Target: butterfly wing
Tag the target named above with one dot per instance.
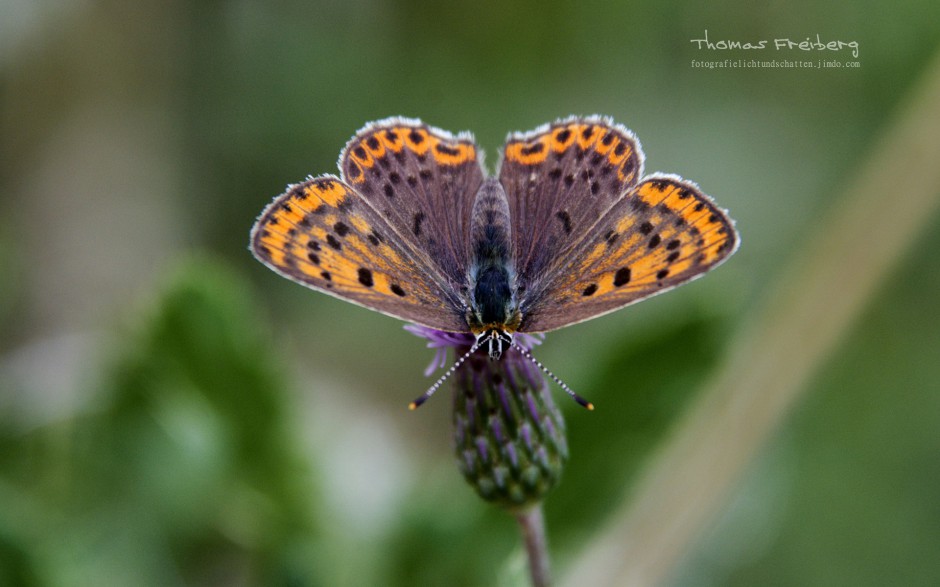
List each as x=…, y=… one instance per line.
x=662, y=233
x=423, y=181
x=559, y=180
x=591, y=239
x=391, y=234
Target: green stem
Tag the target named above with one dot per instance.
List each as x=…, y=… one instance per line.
x=532, y=524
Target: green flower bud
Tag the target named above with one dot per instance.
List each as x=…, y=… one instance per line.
x=509, y=436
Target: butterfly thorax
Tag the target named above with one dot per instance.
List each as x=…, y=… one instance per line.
x=493, y=311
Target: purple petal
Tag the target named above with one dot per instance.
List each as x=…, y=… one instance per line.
x=513, y=455
x=483, y=448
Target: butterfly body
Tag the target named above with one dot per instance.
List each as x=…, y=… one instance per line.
x=494, y=308
x=564, y=232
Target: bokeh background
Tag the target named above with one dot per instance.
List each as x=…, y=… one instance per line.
x=173, y=413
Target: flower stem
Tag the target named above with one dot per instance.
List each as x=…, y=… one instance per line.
x=532, y=524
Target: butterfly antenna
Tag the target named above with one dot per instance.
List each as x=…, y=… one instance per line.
x=561, y=384
x=427, y=394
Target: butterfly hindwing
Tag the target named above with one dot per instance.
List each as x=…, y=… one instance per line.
x=662, y=233
x=422, y=180
x=560, y=179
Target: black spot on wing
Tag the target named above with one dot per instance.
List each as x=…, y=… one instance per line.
x=416, y=226
x=365, y=277
x=565, y=219
x=532, y=149
x=622, y=277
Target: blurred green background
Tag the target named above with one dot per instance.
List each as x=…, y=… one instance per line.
x=173, y=413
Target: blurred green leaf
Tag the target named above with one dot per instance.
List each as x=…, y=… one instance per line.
x=187, y=468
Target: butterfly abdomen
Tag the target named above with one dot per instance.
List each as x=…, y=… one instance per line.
x=492, y=247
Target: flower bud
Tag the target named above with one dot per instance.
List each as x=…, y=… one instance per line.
x=509, y=436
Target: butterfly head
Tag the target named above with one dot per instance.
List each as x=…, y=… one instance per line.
x=495, y=341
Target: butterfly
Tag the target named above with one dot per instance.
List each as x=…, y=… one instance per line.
x=567, y=230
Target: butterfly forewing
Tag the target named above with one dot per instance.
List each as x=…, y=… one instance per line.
x=659, y=235
x=320, y=233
